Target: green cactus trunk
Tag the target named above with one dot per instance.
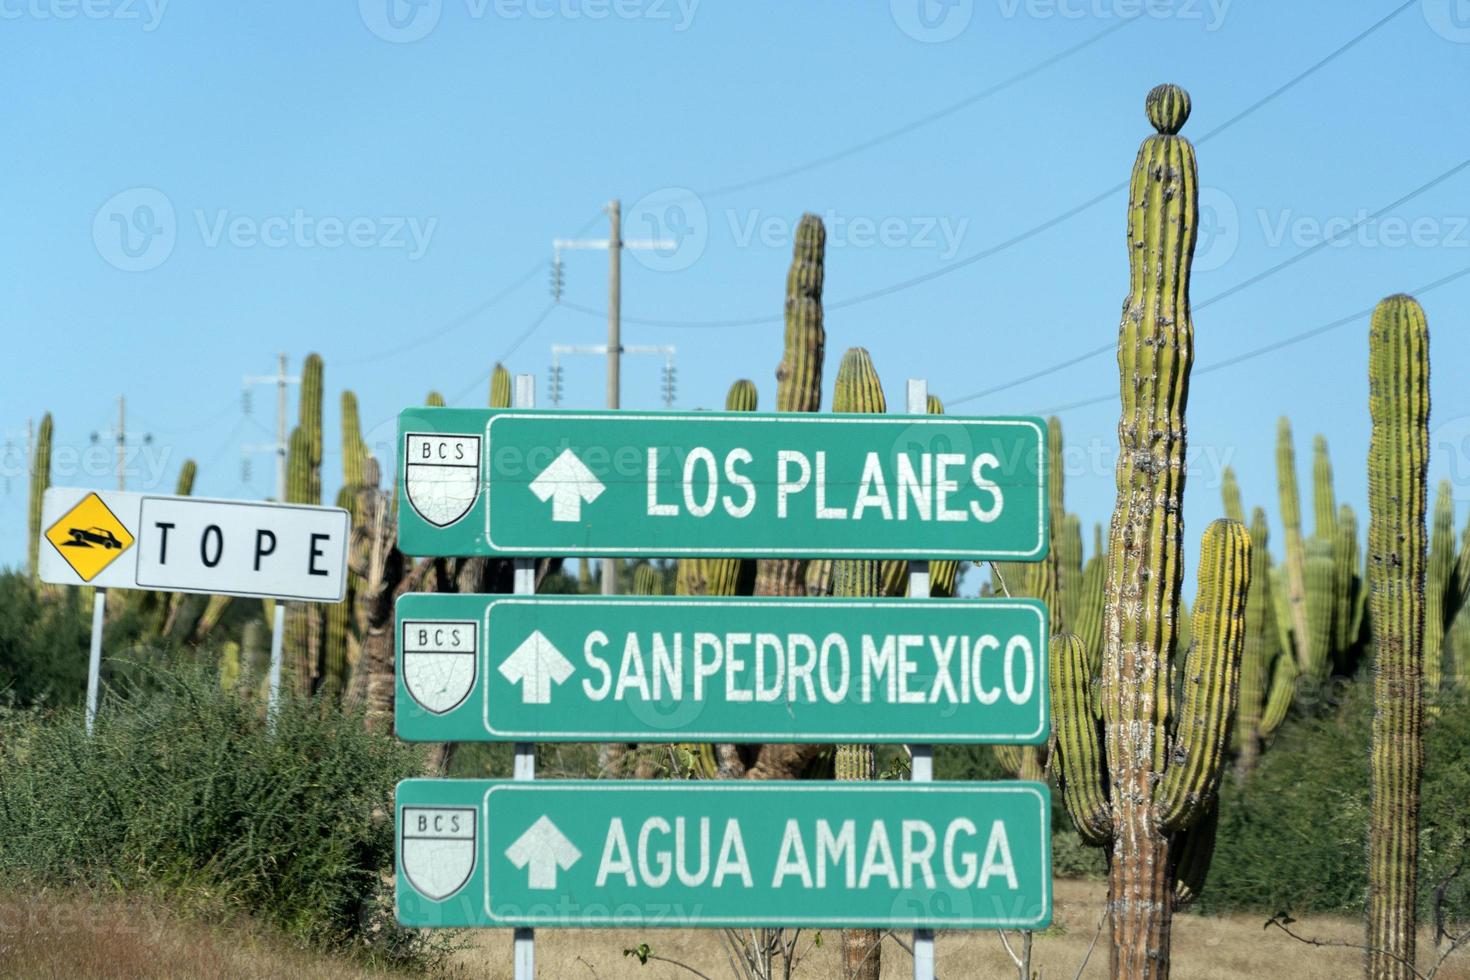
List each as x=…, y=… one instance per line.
x=858, y=390
x=799, y=375
x=354, y=450
x=1398, y=458
x=1348, y=586
x=1439, y=585
x=1155, y=354
x=1260, y=648
x=40, y=464
x=723, y=576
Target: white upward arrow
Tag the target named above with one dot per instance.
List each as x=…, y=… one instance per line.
x=536, y=665
x=567, y=483
x=545, y=849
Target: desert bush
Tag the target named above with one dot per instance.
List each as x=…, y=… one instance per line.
x=1293, y=837
x=185, y=793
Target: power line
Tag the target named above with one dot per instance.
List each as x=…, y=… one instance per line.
x=1271, y=347
x=1033, y=231
x=505, y=356
x=1238, y=287
x=923, y=120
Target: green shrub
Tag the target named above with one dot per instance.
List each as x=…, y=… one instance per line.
x=43, y=643
x=183, y=791
x=1294, y=836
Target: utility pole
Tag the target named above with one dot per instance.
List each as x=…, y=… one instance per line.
x=614, y=245
x=120, y=440
x=281, y=380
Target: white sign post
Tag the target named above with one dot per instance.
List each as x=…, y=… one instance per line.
x=921, y=757
x=525, y=752
x=111, y=539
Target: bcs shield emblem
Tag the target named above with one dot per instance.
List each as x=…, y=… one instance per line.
x=439, y=659
x=436, y=848
x=441, y=474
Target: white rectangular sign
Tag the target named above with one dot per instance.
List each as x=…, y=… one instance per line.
x=118, y=540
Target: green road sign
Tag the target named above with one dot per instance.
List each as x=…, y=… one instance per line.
x=653, y=669
x=487, y=481
x=655, y=854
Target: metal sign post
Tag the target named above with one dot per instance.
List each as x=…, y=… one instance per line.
x=278, y=630
x=921, y=765
x=524, y=767
x=94, y=657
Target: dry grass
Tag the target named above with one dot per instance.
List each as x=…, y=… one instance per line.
x=1213, y=948
x=66, y=935
x=52, y=936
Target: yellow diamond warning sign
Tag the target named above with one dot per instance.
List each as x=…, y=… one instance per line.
x=89, y=537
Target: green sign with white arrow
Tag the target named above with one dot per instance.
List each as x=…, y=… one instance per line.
x=657, y=669
x=505, y=482
x=666, y=854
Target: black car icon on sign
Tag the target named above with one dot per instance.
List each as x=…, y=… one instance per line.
x=85, y=537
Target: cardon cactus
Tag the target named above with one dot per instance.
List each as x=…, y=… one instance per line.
x=1320, y=582
x=1439, y=605
x=1348, y=583
x=647, y=580
x=1295, y=572
x=1155, y=355
x=722, y=576
x=1069, y=568
x=1230, y=495
x=858, y=390
x=338, y=652
x=1260, y=648
x=40, y=463
x=354, y=450
x=1324, y=497
x=301, y=643
x=942, y=574
x=1398, y=461
x=799, y=375
x=1180, y=808
x=500, y=387
x=434, y=399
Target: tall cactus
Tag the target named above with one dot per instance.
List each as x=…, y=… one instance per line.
x=1398, y=461
x=1295, y=571
x=40, y=464
x=500, y=387
x=309, y=418
x=647, y=580
x=1439, y=608
x=1155, y=355
x=1069, y=568
x=858, y=390
x=799, y=375
x=1324, y=498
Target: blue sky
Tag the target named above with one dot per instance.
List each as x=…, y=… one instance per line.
x=359, y=180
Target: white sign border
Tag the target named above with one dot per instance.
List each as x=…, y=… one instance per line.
x=662, y=551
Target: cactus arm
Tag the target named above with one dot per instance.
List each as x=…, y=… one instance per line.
x=1078, y=760
x=1440, y=604
x=1196, y=849
x=1259, y=649
x=1398, y=396
x=1211, y=678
